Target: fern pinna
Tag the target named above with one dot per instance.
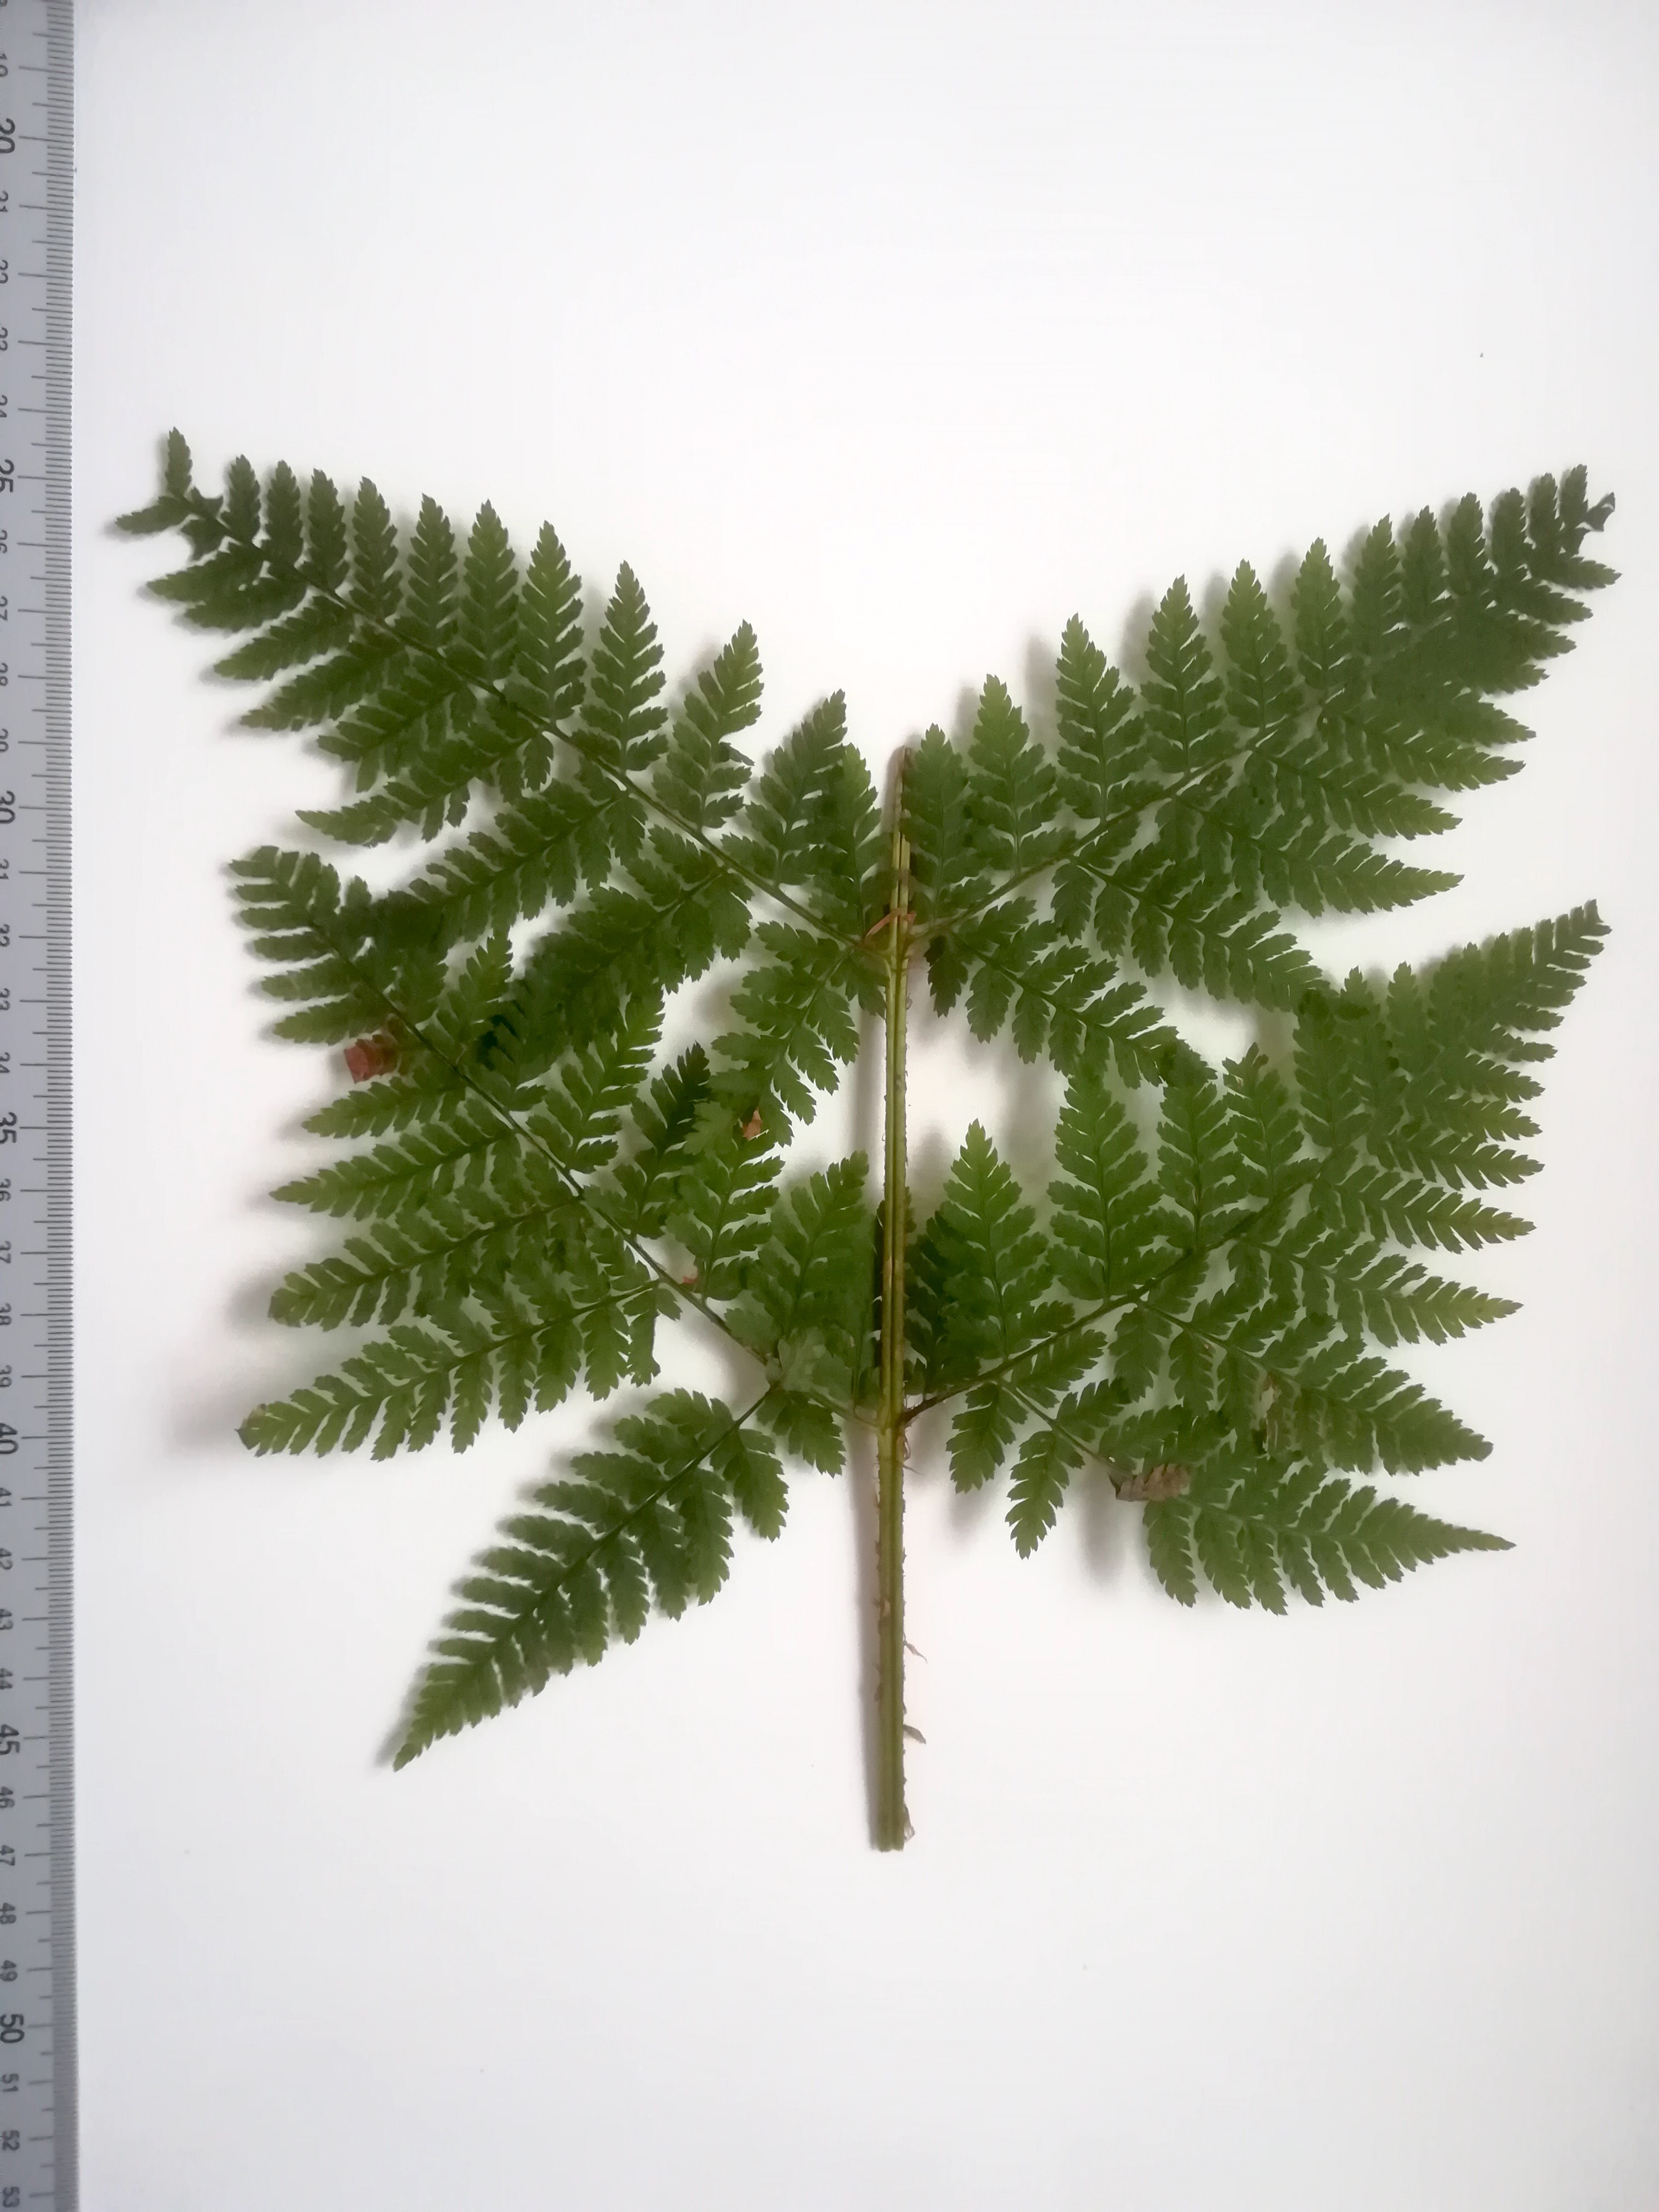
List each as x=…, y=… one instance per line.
x=1195, y=1300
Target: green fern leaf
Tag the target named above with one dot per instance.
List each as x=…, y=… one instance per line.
x=488, y=629
x=625, y=945
x=978, y=1269
x=1197, y=1167
x=1103, y=739
x=1263, y=695
x=317, y=627
x=548, y=672
x=391, y=1102
x=623, y=723
x=1211, y=939
x=1349, y=1409
x=1323, y=649
x=798, y=1028
x=1047, y=1460
x=431, y=607
x=812, y=1277
x=1396, y=1300
x=1054, y=996
x=1111, y=1231
x=401, y=1388
x=944, y=868
x=666, y=1122
x=722, y=1210
x=577, y=1116
x=1245, y=1523
x=1181, y=697
x=652, y=1519
x=810, y=823
x=533, y=1187
x=320, y=941
x=1011, y=790
x=1357, y=1196
x=702, y=776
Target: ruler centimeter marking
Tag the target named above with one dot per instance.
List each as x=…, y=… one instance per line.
x=39, y=2165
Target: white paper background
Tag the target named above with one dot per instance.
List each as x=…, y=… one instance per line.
x=903, y=331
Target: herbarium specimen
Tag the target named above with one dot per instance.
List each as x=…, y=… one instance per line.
x=1195, y=1300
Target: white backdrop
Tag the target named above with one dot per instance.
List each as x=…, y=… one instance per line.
x=903, y=332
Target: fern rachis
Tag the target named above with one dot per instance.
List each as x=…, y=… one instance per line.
x=534, y=1185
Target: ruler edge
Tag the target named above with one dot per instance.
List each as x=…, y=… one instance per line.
x=59, y=30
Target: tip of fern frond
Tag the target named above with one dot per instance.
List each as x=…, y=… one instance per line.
x=169, y=510
x=146, y=521
x=1473, y=1540
x=258, y=862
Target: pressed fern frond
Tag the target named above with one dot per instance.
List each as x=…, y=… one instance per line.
x=1195, y=1301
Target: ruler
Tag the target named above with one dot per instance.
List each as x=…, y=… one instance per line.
x=38, y=2160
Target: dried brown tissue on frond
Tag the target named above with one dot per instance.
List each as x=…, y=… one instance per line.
x=535, y=1189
